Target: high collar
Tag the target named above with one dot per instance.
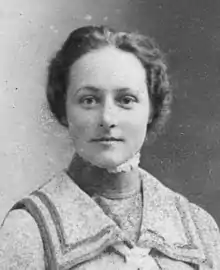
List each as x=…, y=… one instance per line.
x=95, y=180
x=167, y=225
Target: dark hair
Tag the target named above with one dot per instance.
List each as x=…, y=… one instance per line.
x=88, y=38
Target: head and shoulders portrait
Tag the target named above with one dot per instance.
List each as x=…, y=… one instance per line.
x=111, y=90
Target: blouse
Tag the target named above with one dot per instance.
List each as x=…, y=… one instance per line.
x=59, y=227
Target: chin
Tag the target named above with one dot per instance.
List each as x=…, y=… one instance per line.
x=106, y=162
x=105, y=159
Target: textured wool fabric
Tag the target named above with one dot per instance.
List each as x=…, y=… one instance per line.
x=69, y=230
x=126, y=212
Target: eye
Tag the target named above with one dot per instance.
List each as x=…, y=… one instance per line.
x=128, y=100
x=89, y=101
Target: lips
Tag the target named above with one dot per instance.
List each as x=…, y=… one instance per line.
x=107, y=139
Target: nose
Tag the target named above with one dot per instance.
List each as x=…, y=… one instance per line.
x=108, y=116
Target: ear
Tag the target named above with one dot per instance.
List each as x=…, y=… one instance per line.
x=151, y=114
x=64, y=121
x=150, y=120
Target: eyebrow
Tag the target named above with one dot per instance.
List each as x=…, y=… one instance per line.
x=96, y=89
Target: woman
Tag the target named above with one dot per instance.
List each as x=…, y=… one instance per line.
x=111, y=90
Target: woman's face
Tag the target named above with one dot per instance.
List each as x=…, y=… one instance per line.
x=107, y=98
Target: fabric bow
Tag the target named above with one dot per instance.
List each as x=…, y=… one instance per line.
x=136, y=258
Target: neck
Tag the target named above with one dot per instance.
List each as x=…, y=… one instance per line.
x=95, y=180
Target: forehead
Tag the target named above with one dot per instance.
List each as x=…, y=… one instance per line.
x=108, y=68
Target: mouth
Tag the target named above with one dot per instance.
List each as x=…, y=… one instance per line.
x=107, y=139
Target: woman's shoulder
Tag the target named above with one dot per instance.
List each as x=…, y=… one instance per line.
x=204, y=223
x=20, y=242
x=197, y=211
x=209, y=233
x=21, y=232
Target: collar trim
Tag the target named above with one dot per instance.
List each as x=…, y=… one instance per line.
x=164, y=212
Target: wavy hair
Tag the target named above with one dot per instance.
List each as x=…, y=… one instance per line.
x=88, y=38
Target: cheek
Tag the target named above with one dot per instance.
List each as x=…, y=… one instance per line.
x=81, y=125
x=135, y=130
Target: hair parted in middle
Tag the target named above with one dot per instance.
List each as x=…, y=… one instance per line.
x=89, y=38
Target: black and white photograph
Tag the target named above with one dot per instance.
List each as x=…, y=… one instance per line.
x=110, y=135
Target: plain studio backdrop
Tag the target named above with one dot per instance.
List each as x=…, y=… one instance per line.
x=33, y=146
